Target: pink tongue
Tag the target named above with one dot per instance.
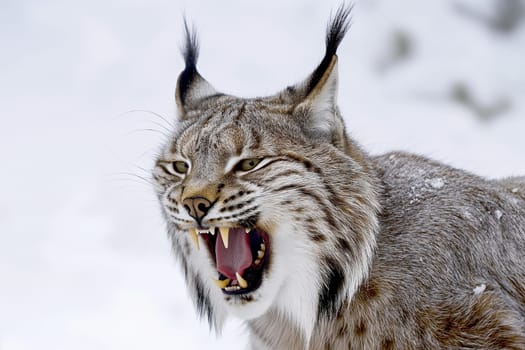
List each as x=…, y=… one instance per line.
x=237, y=257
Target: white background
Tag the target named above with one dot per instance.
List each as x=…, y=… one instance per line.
x=84, y=259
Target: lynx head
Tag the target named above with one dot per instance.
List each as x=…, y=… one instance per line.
x=270, y=207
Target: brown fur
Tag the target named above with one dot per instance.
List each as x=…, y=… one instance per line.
x=368, y=252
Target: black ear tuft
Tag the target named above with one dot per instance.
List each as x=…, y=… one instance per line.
x=190, y=51
x=191, y=86
x=336, y=30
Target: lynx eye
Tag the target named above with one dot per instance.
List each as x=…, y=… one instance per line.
x=247, y=164
x=180, y=167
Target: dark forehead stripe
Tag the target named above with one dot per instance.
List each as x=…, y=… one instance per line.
x=255, y=140
x=240, y=113
x=230, y=137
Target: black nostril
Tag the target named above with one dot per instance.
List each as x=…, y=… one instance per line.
x=202, y=207
x=197, y=207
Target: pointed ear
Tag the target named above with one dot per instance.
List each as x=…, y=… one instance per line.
x=316, y=97
x=319, y=108
x=191, y=86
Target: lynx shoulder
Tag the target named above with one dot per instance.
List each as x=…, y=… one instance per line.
x=277, y=217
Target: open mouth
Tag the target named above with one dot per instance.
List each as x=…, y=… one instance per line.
x=240, y=255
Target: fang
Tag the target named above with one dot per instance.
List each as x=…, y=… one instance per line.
x=194, y=237
x=221, y=283
x=225, y=232
x=242, y=282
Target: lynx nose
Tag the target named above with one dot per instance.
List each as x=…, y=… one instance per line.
x=197, y=207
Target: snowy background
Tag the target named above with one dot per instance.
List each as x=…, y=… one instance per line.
x=84, y=259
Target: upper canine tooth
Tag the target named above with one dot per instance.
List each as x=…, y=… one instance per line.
x=212, y=231
x=194, y=238
x=242, y=281
x=225, y=233
x=247, y=230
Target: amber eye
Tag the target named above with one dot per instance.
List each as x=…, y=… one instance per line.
x=180, y=167
x=247, y=164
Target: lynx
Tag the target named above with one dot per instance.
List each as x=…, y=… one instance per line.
x=277, y=217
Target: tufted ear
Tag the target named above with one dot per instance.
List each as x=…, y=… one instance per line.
x=191, y=86
x=318, y=110
x=315, y=98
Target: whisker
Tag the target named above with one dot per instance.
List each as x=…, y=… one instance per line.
x=153, y=113
x=135, y=177
x=147, y=171
x=147, y=129
x=169, y=131
x=170, y=126
x=143, y=169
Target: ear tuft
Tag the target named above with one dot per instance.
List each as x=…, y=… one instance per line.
x=190, y=50
x=337, y=27
x=315, y=98
x=191, y=86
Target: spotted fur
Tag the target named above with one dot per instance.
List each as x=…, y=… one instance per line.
x=368, y=252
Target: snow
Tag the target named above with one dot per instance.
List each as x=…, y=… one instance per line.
x=436, y=182
x=84, y=258
x=479, y=289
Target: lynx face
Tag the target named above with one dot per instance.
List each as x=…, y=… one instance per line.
x=252, y=194
x=231, y=189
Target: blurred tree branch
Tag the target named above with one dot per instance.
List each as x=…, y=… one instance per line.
x=463, y=95
x=399, y=48
x=507, y=15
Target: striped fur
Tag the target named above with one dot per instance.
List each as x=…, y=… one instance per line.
x=367, y=252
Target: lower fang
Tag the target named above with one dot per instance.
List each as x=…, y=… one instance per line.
x=222, y=283
x=242, y=282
